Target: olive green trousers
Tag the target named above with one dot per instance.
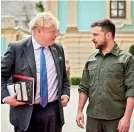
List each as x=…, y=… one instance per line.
x=98, y=125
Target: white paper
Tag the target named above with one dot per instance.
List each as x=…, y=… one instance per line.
x=24, y=91
x=18, y=91
x=11, y=89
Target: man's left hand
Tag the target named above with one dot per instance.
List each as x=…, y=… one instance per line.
x=64, y=100
x=124, y=125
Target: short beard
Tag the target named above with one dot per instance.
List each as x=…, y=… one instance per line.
x=103, y=45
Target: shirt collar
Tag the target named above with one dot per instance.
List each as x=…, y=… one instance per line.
x=36, y=45
x=114, y=51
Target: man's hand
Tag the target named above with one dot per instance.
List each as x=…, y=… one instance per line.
x=80, y=119
x=64, y=100
x=124, y=125
x=12, y=101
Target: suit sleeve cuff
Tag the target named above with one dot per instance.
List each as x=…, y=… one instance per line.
x=66, y=96
x=4, y=100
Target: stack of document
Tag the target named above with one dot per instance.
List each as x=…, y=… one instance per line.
x=24, y=87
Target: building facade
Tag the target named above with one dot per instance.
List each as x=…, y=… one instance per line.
x=75, y=18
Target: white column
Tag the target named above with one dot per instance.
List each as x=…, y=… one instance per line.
x=72, y=16
x=52, y=6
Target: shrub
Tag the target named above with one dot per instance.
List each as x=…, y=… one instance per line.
x=75, y=80
x=131, y=49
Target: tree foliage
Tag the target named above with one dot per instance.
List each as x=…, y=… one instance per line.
x=131, y=49
x=39, y=6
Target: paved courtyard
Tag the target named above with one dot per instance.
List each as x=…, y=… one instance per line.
x=70, y=114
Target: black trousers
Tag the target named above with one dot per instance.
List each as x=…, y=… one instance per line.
x=44, y=119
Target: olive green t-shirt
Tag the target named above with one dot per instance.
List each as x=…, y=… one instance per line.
x=108, y=80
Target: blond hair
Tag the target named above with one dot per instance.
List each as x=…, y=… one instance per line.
x=44, y=19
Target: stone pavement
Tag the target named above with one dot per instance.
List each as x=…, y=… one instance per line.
x=70, y=114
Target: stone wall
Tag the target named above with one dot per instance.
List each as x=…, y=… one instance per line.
x=77, y=47
x=10, y=35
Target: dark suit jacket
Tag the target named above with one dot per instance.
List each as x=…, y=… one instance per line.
x=19, y=59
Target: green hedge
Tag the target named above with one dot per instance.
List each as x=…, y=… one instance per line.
x=75, y=80
x=131, y=49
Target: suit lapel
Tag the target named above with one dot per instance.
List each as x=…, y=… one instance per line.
x=29, y=53
x=56, y=60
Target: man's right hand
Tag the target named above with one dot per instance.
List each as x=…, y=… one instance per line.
x=80, y=120
x=11, y=100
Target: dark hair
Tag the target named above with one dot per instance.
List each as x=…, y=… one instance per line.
x=106, y=24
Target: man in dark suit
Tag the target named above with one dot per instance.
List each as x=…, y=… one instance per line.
x=25, y=58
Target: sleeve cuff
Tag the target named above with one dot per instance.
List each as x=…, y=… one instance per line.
x=4, y=100
x=130, y=93
x=83, y=90
x=66, y=96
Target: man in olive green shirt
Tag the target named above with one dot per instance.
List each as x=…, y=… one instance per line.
x=108, y=83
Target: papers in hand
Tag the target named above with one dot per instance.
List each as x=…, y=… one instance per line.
x=20, y=90
x=24, y=87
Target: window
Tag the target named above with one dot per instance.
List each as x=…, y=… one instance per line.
x=117, y=9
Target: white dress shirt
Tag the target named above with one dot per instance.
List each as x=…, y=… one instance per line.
x=51, y=73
